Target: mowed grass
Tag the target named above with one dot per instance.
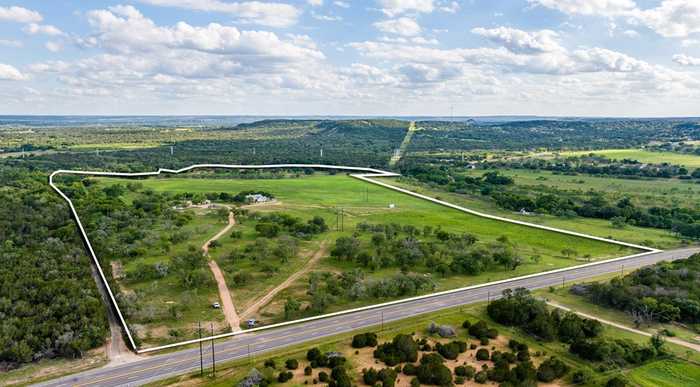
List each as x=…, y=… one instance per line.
x=644, y=156
x=365, y=202
x=666, y=373
x=599, y=227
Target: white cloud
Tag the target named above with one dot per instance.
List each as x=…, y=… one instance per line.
x=690, y=42
x=521, y=41
x=685, y=60
x=396, y=7
x=323, y=17
x=19, y=15
x=450, y=7
x=672, y=19
x=45, y=29
x=10, y=43
x=631, y=33
x=9, y=73
x=53, y=46
x=253, y=12
x=341, y=4
x=315, y=3
x=403, y=26
x=588, y=7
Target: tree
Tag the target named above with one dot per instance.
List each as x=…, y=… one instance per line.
x=291, y=308
x=569, y=252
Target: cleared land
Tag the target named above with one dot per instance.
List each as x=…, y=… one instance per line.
x=320, y=195
x=644, y=156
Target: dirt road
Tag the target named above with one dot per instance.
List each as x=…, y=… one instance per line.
x=253, y=309
x=224, y=294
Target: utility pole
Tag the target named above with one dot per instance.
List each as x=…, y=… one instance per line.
x=488, y=297
x=382, y=322
x=562, y=281
x=201, y=357
x=213, y=359
x=622, y=271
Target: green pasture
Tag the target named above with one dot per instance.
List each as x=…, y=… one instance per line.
x=648, y=192
x=666, y=373
x=644, y=156
x=323, y=195
x=598, y=227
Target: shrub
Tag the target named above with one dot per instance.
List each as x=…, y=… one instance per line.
x=460, y=380
x=492, y=333
x=466, y=324
x=284, y=376
x=451, y=350
x=270, y=363
x=291, y=364
x=432, y=371
x=472, y=346
x=479, y=330
x=308, y=370
x=323, y=377
x=313, y=354
x=370, y=376
x=401, y=349
x=481, y=377
x=482, y=354
x=388, y=377
x=409, y=369
x=617, y=381
x=551, y=369
x=415, y=382
x=364, y=340
x=581, y=377
x=465, y=371
x=484, y=341
x=335, y=361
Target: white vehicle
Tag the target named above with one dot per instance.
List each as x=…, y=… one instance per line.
x=216, y=305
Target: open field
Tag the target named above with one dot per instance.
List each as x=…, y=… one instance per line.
x=650, y=192
x=320, y=195
x=598, y=227
x=666, y=373
x=644, y=156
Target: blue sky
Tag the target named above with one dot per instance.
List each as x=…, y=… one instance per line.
x=368, y=57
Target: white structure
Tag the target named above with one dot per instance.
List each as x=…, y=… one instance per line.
x=257, y=198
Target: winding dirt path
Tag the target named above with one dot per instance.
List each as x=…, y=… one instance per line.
x=253, y=309
x=224, y=294
x=673, y=340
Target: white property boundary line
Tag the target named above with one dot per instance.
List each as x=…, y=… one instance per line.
x=366, y=175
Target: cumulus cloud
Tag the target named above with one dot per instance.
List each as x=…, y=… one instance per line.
x=315, y=3
x=341, y=4
x=671, y=18
x=253, y=12
x=396, y=7
x=686, y=60
x=53, y=46
x=521, y=41
x=20, y=15
x=10, y=43
x=44, y=29
x=9, y=73
x=588, y=7
x=403, y=26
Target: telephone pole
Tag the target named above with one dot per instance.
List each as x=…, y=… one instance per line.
x=201, y=357
x=213, y=359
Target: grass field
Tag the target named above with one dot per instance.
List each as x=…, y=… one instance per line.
x=644, y=156
x=666, y=373
x=598, y=227
x=649, y=192
x=321, y=195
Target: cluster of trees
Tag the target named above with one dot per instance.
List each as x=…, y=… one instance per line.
x=597, y=165
x=685, y=221
x=49, y=302
x=385, y=245
x=518, y=308
x=664, y=292
x=273, y=224
x=549, y=134
x=326, y=288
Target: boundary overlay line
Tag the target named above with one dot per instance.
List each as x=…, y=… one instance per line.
x=363, y=174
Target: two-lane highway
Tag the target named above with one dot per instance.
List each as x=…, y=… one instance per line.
x=180, y=362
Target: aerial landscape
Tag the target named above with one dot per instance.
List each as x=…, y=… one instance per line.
x=382, y=193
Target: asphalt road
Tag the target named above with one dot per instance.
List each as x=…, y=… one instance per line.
x=175, y=363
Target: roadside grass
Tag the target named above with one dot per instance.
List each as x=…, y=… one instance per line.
x=232, y=372
x=598, y=227
x=47, y=369
x=643, y=156
x=321, y=195
x=666, y=373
